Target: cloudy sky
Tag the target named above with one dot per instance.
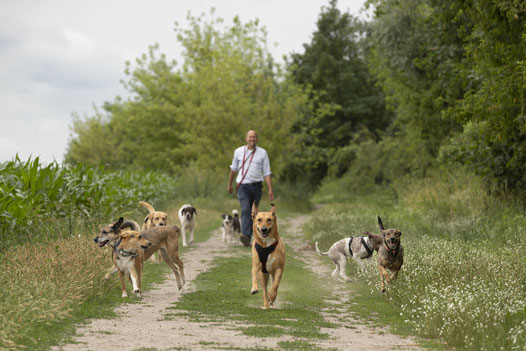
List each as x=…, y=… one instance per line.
x=59, y=57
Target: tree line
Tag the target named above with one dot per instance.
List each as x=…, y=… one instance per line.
x=421, y=85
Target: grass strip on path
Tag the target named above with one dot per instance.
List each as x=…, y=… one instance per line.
x=223, y=295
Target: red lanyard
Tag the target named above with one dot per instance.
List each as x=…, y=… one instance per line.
x=243, y=166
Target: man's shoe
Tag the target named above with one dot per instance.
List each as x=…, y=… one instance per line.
x=245, y=240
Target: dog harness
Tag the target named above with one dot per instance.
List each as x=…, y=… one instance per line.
x=367, y=248
x=263, y=253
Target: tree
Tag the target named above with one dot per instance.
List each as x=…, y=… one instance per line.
x=196, y=115
x=334, y=66
x=493, y=34
x=417, y=60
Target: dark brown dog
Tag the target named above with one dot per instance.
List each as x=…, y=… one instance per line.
x=390, y=254
x=268, y=254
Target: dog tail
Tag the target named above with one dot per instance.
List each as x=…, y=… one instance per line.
x=380, y=224
x=147, y=206
x=319, y=252
x=130, y=223
x=235, y=213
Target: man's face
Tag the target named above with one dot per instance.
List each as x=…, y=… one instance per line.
x=252, y=139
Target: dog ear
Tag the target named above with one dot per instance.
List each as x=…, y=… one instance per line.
x=195, y=211
x=148, y=218
x=273, y=210
x=117, y=225
x=380, y=223
x=254, y=210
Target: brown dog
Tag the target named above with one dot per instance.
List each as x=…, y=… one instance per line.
x=390, y=254
x=268, y=254
x=128, y=256
x=154, y=218
x=162, y=239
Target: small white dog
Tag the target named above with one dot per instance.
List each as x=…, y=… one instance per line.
x=357, y=247
x=187, y=215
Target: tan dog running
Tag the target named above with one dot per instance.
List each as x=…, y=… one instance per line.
x=153, y=219
x=128, y=256
x=390, y=254
x=268, y=254
x=162, y=239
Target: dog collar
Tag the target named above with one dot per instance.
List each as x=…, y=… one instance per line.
x=263, y=253
x=125, y=253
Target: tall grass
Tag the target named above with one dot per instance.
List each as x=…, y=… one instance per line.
x=42, y=284
x=38, y=201
x=464, y=273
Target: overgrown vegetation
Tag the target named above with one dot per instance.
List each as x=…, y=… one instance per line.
x=464, y=275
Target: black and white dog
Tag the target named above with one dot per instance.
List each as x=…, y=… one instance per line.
x=357, y=247
x=187, y=215
x=231, y=227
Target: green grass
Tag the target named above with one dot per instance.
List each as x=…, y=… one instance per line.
x=223, y=294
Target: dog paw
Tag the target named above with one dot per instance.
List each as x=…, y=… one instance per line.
x=137, y=293
x=124, y=294
x=254, y=291
x=185, y=245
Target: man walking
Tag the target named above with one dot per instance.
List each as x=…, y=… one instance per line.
x=251, y=164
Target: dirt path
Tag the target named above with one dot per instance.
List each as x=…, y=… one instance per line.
x=146, y=325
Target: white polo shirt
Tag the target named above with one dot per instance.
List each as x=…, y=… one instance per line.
x=255, y=167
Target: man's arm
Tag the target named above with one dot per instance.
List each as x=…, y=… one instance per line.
x=268, y=179
x=231, y=177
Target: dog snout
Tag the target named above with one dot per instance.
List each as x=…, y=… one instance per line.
x=264, y=230
x=96, y=239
